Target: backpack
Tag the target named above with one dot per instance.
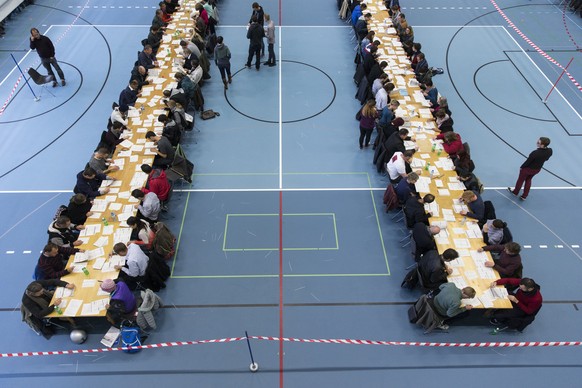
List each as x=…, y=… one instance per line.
x=164, y=241
x=61, y=211
x=208, y=114
x=129, y=336
x=480, y=185
x=410, y=280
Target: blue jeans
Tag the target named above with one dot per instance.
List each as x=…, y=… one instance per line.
x=47, y=62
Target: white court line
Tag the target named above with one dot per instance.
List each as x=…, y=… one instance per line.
x=415, y=26
x=231, y=190
x=26, y=216
x=280, y=111
x=549, y=82
x=544, y=225
x=568, y=16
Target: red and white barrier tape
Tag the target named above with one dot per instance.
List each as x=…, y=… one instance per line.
x=11, y=94
x=566, y=26
x=532, y=44
x=74, y=21
x=302, y=340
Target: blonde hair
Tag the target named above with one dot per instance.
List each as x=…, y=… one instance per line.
x=467, y=196
x=369, y=110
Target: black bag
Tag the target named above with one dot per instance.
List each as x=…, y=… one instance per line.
x=208, y=114
x=359, y=115
x=410, y=280
x=412, y=317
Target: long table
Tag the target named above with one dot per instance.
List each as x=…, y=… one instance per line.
x=438, y=176
x=87, y=299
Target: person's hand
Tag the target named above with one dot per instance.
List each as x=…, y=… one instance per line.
x=463, y=212
x=106, y=306
x=117, y=267
x=136, y=206
x=512, y=298
x=485, y=228
x=449, y=270
x=418, y=172
x=114, y=168
x=479, y=249
x=80, y=227
x=70, y=269
x=70, y=286
x=77, y=243
x=489, y=264
x=468, y=307
x=57, y=301
x=493, y=284
x=81, y=250
x=89, y=214
x=105, y=190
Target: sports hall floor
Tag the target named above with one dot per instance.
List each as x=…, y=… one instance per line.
x=282, y=232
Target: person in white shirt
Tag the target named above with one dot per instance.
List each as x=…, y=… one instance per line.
x=149, y=208
x=398, y=166
x=136, y=263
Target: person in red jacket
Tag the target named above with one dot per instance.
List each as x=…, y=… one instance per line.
x=452, y=143
x=157, y=182
x=526, y=303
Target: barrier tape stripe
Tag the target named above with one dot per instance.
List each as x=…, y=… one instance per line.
x=36, y=63
x=532, y=44
x=566, y=26
x=303, y=340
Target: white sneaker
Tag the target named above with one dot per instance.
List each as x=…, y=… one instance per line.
x=443, y=327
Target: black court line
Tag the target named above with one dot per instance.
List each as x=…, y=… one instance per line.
x=491, y=130
x=287, y=121
x=499, y=106
x=86, y=110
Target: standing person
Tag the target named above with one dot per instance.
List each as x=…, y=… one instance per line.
x=222, y=60
x=46, y=51
x=368, y=116
x=260, y=14
x=531, y=167
x=270, y=34
x=255, y=34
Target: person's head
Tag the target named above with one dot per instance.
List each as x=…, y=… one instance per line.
x=199, y=7
x=407, y=31
x=389, y=87
x=117, y=127
x=527, y=285
x=512, y=248
x=50, y=250
x=78, y=199
x=402, y=16
x=162, y=6
x=267, y=17
x=34, y=32
x=370, y=104
x=101, y=153
x=443, y=102
x=183, y=43
x=543, y=142
x=154, y=29
x=420, y=56
x=428, y=83
x=394, y=104
x=368, y=16
x=120, y=249
x=123, y=108
x=254, y=19
x=159, y=13
x=397, y=122
x=403, y=133
x=407, y=155
x=179, y=76
x=141, y=70
x=383, y=77
x=376, y=43
x=186, y=52
x=434, y=230
x=383, y=64
x=468, y=293
x=428, y=198
x=219, y=40
x=108, y=285
x=137, y=193
x=194, y=62
x=370, y=35
x=450, y=254
x=63, y=222
x=146, y=168
x=498, y=224
x=35, y=289
x=89, y=173
x=416, y=47
x=468, y=196
x=363, y=7
x=412, y=178
x=134, y=223
x=134, y=84
x=373, y=49
x=151, y=136
x=440, y=114
x=255, y=6
x=450, y=137
x=162, y=118
x=147, y=49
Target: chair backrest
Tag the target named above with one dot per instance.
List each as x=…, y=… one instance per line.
x=467, y=148
x=390, y=198
x=489, y=210
x=38, y=78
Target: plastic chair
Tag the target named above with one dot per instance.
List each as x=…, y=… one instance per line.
x=41, y=80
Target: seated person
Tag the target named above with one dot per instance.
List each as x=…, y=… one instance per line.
x=146, y=58
x=433, y=268
x=130, y=94
x=164, y=150
x=470, y=181
x=63, y=233
x=171, y=130
x=463, y=162
x=508, y=264
x=140, y=74
x=452, y=143
x=379, y=83
x=79, y=209
x=141, y=233
x=448, y=301
x=101, y=163
x=414, y=211
x=398, y=166
x=136, y=262
x=496, y=232
x=431, y=93
x=395, y=143
x=157, y=182
x=89, y=183
x=387, y=112
x=405, y=188
x=149, y=206
x=122, y=303
x=475, y=204
x=421, y=67
x=443, y=121
x=423, y=239
x=36, y=304
x=52, y=262
x=526, y=303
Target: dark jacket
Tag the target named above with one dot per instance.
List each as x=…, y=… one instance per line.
x=414, y=212
x=43, y=46
x=78, y=213
x=127, y=97
x=89, y=187
x=423, y=240
x=35, y=309
x=432, y=269
x=255, y=34
x=537, y=158
x=54, y=267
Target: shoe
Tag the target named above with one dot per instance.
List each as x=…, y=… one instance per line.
x=55, y=84
x=498, y=329
x=522, y=198
x=494, y=321
x=361, y=147
x=511, y=191
x=266, y=63
x=63, y=82
x=443, y=327
x=367, y=145
x=229, y=79
x=258, y=68
x=272, y=64
x=248, y=65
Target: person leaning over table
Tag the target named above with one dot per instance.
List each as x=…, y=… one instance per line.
x=122, y=302
x=369, y=38
x=398, y=166
x=423, y=237
x=101, y=163
x=36, y=304
x=443, y=121
x=525, y=302
x=89, y=182
x=395, y=142
x=63, y=233
x=164, y=150
x=496, y=232
x=433, y=267
x=146, y=58
x=379, y=83
x=414, y=211
x=136, y=262
x=475, y=204
x=508, y=264
x=52, y=263
x=149, y=207
x=141, y=233
x=130, y=94
x=140, y=74
x=157, y=182
x=452, y=143
x=448, y=301
x=406, y=187
x=469, y=180
x=463, y=162
x=384, y=105
x=78, y=209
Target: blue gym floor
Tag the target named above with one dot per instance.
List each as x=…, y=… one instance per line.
x=282, y=160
